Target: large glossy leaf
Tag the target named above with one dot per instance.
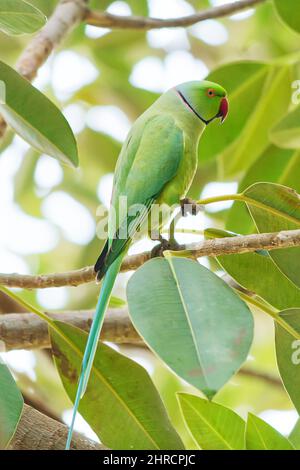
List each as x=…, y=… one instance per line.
x=191, y=319
x=288, y=12
x=121, y=403
x=19, y=17
x=288, y=355
x=286, y=133
x=213, y=426
x=258, y=273
x=261, y=436
x=280, y=210
x=275, y=165
x=35, y=118
x=11, y=405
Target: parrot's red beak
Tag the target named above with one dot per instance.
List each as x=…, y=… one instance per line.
x=223, y=111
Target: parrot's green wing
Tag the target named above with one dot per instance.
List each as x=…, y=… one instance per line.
x=149, y=160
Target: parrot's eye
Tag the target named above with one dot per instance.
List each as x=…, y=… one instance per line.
x=211, y=93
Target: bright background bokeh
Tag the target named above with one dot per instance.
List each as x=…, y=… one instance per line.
x=102, y=80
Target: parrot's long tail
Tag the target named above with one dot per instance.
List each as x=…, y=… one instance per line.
x=93, y=338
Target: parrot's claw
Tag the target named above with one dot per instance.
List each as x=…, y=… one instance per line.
x=162, y=246
x=158, y=249
x=188, y=206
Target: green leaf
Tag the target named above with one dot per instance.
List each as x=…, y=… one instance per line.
x=280, y=210
x=288, y=12
x=259, y=94
x=25, y=194
x=139, y=7
x=116, y=302
x=121, y=403
x=294, y=437
x=288, y=354
x=35, y=118
x=46, y=6
x=191, y=319
x=11, y=405
x=258, y=274
x=213, y=426
x=275, y=165
x=243, y=82
x=254, y=138
x=19, y=17
x=286, y=133
x=261, y=436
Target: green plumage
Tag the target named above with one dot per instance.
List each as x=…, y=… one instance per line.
x=157, y=164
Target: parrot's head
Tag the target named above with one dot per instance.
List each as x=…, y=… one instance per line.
x=207, y=100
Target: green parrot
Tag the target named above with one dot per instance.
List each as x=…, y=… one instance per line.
x=156, y=165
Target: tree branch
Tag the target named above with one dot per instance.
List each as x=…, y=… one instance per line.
x=108, y=20
x=264, y=376
x=67, y=14
x=36, y=431
x=28, y=331
x=214, y=247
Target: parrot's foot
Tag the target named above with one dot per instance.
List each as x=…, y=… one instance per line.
x=164, y=245
x=158, y=249
x=188, y=206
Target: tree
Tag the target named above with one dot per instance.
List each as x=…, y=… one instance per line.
x=190, y=324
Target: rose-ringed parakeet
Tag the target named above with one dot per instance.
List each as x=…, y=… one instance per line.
x=156, y=165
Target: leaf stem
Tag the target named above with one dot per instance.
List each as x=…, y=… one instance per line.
x=223, y=197
x=272, y=312
x=248, y=200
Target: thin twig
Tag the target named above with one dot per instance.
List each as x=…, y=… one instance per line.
x=214, y=247
x=107, y=20
x=69, y=13
x=263, y=376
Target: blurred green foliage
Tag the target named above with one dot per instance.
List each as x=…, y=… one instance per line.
x=258, y=64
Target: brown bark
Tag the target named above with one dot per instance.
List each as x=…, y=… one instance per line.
x=28, y=331
x=36, y=431
x=214, y=247
x=107, y=20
